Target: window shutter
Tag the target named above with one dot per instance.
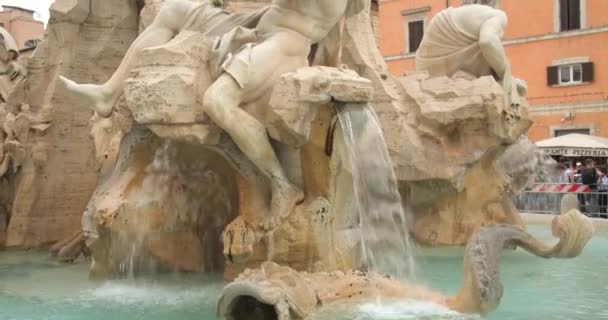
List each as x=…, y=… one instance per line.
x=552, y=75
x=574, y=13
x=563, y=15
x=588, y=72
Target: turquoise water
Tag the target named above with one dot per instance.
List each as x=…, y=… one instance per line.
x=32, y=287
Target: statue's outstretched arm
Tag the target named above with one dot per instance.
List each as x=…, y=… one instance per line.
x=490, y=44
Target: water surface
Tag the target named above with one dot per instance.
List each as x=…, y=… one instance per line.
x=35, y=288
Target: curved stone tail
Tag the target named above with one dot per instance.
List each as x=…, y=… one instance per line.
x=482, y=289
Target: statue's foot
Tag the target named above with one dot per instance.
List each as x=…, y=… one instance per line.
x=101, y=99
x=285, y=197
x=238, y=238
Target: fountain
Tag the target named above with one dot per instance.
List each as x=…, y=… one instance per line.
x=294, y=166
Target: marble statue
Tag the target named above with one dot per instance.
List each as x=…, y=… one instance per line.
x=10, y=70
x=9, y=54
x=216, y=148
x=285, y=31
x=276, y=292
x=469, y=39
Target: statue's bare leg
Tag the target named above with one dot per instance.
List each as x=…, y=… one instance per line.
x=166, y=25
x=222, y=104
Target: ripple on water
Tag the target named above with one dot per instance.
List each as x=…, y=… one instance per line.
x=152, y=294
x=414, y=310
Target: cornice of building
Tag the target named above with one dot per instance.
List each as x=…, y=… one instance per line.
x=588, y=106
x=557, y=35
x=535, y=38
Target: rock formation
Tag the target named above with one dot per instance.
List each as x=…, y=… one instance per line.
x=460, y=122
x=57, y=175
x=159, y=185
x=276, y=292
x=457, y=121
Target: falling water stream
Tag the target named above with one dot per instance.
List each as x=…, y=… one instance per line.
x=385, y=242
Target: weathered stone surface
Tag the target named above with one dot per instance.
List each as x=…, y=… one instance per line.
x=295, y=295
x=444, y=135
x=70, y=11
x=295, y=100
x=86, y=40
x=168, y=178
x=167, y=86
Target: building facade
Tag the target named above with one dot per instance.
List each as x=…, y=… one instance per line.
x=560, y=47
x=20, y=23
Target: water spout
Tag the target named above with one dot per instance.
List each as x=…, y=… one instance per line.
x=385, y=241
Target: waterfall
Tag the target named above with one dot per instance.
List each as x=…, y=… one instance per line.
x=385, y=241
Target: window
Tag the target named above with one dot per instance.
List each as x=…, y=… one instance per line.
x=563, y=132
x=415, y=34
x=413, y=25
x=569, y=15
x=32, y=43
x=570, y=74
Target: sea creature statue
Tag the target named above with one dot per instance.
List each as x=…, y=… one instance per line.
x=273, y=292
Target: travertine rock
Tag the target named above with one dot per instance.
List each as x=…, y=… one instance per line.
x=158, y=154
x=456, y=122
x=282, y=293
x=86, y=40
x=296, y=98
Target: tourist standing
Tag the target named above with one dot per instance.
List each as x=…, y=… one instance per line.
x=603, y=189
x=589, y=177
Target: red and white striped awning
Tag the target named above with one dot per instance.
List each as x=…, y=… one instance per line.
x=559, y=188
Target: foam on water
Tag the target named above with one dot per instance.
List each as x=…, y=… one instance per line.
x=404, y=310
x=149, y=294
x=390, y=310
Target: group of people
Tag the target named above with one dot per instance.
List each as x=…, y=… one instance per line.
x=590, y=174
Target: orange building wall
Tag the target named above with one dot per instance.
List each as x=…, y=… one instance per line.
x=391, y=22
x=22, y=26
x=533, y=18
x=23, y=31
x=597, y=13
x=597, y=121
x=529, y=22
x=530, y=60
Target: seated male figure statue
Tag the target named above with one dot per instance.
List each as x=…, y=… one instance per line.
x=467, y=38
x=285, y=32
